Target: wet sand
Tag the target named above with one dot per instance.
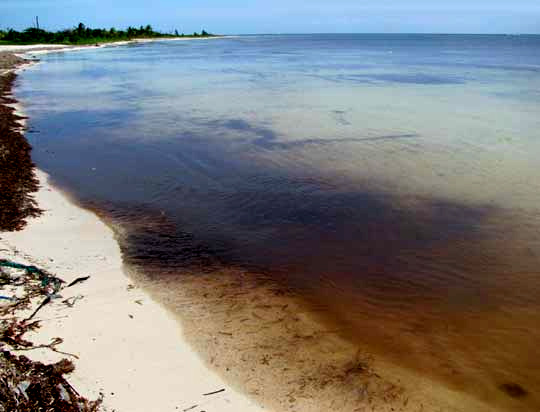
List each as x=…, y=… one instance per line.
x=274, y=347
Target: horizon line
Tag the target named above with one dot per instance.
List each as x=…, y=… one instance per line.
x=386, y=33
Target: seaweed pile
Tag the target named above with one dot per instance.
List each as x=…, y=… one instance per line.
x=27, y=385
x=18, y=181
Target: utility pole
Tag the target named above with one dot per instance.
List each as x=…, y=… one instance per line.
x=37, y=22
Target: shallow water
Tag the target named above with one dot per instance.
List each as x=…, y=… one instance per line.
x=389, y=181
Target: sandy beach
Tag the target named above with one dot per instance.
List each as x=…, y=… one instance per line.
x=61, y=47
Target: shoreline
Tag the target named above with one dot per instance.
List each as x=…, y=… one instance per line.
x=25, y=51
x=129, y=348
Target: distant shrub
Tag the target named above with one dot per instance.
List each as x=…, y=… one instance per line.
x=81, y=34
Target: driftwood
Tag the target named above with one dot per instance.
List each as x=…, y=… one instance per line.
x=213, y=393
x=78, y=280
x=45, y=302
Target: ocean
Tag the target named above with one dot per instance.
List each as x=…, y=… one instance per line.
x=386, y=187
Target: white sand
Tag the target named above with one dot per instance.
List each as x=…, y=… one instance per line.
x=21, y=48
x=47, y=48
x=140, y=362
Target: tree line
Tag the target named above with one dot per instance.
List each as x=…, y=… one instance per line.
x=85, y=35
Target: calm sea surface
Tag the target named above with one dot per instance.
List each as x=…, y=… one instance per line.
x=392, y=181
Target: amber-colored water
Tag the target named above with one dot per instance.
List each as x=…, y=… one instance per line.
x=339, y=221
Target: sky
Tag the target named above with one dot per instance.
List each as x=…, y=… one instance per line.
x=281, y=16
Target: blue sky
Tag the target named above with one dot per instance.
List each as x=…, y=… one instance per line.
x=282, y=16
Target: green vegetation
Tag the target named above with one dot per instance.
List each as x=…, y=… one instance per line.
x=84, y=35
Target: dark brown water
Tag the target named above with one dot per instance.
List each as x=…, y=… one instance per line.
x=320, y=205
x=446, y=290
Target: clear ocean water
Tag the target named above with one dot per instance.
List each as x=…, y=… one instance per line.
x=390, y=181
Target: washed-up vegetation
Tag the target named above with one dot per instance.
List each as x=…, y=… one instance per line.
x=17, y=173
x=25, y=384
x=86, y=35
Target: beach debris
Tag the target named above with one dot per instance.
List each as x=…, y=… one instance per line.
x=26, y=385
x=214, y=392
x=22, y=387
x=46, y=279
x=78, y=280
x=70, y=302
x=17, y=171
x=46, y=301
x=190, y=408
x=63, y=392
x=14, y=265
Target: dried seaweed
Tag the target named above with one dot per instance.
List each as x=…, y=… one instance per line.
x=27, y=385
x=18, y=180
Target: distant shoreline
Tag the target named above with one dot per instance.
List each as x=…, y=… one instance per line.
x=49, y=48
x=93, y=43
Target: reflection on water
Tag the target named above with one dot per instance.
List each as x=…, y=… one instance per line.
x=391, y=182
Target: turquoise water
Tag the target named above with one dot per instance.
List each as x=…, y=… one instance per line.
x=390, y=180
